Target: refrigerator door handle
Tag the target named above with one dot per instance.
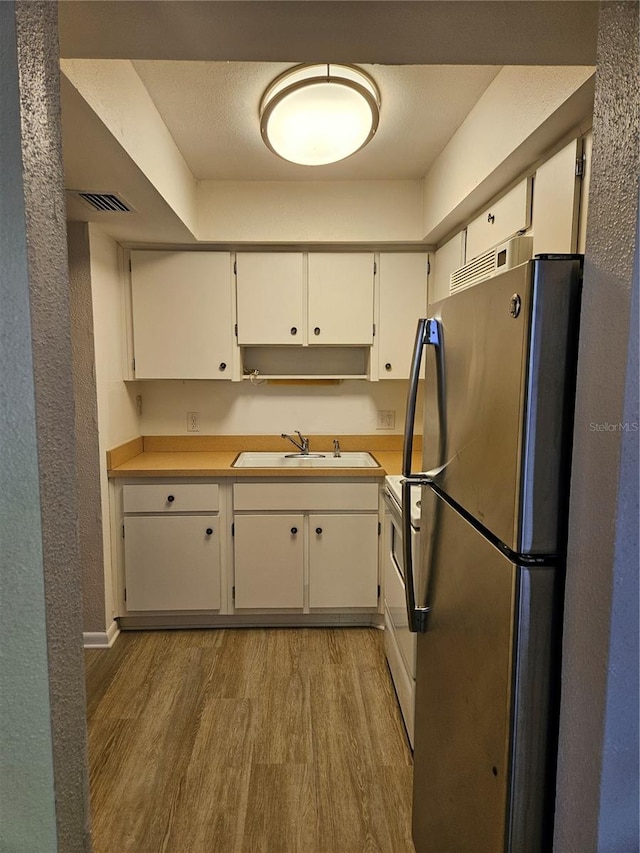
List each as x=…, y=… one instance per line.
x=427, y=332
x=417, y=616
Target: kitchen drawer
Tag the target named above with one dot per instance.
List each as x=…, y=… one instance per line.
x=305, y=496
x=171, y=497
x=509, y=215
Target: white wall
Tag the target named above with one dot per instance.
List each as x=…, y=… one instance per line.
x=117, y=418
x=115, y=92
x=244, y=409
x=522, y=113
x=309, y=211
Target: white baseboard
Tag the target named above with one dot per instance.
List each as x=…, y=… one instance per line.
x=101, y=639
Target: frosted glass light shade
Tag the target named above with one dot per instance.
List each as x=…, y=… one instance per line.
x=318, y=114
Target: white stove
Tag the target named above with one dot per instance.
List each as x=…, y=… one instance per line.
x=393, y=487
x=400, y=643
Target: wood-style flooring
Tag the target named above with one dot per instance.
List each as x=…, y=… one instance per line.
x=276, y=740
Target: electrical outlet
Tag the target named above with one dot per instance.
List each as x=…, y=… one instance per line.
x=386, y=419
x=193, y=421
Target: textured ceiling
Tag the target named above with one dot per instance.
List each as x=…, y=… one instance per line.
x=206, y=64
x=211, y=110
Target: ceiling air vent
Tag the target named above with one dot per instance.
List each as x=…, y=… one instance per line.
x=104, y=202
x=503, y=257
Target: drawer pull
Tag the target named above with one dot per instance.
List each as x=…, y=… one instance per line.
x=209, y=531
x=170, y=499
x=294, y=530
x=318, y=530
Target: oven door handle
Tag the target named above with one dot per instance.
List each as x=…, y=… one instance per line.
x=417, y=616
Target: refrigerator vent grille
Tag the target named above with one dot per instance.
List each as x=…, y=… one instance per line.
x=476, y=270
x=503, y=257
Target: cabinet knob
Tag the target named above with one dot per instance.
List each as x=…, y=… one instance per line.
x=318, y=530
x=209, y=531
x=294, y=530
x=294, y=330
x=491, y=219
x=171, y=499
x=387, y=366
x=223, y=365
x=316, y=331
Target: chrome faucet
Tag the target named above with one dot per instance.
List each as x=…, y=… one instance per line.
x=303, y=446
x=336, y=447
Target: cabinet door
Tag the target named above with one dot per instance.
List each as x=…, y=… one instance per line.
x=555, y=203
x=172, y=562
x=268, y=561
x=343, y=560
x=182, y=315
x=507, y=216
x=341, y=299
x=449, y=257
x=403, y=299
x=270, y=294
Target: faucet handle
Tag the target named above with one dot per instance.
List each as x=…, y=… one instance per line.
x=336, y=447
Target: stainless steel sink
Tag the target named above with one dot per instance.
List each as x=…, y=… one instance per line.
x=266, y=459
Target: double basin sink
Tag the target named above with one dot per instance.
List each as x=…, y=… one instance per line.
x=266, y=459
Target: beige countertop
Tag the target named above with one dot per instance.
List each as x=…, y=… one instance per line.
x=212, y=456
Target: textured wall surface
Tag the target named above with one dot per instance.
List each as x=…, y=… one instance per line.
x=27, y=809
x=597, y=802
x=87, y=449
x=44, y=240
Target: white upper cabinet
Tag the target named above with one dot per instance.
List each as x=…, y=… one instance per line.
x=182, y=314
x=288, y=298
x=556, y=201
x=587, y=148
x=270, y=298
x=403, y=300
x=506, y=217
x=449, y=257
x=341, y=299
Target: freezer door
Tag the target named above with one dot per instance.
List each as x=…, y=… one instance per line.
x=482, y=695
x=498, y=397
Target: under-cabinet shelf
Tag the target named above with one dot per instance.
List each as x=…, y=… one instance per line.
x=305, y=362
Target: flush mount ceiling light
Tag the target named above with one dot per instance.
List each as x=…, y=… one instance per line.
x=319, y=114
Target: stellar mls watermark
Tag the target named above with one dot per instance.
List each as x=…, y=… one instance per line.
x=623, y=426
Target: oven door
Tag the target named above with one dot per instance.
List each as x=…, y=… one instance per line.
x=394, y=593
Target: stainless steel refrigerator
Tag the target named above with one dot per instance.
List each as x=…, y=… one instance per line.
x=485, y=597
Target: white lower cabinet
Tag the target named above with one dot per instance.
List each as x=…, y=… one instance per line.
x=268, y=561
x=172, y=562
x=308, y=546
x=343, y=560
x=172, y=547
x=203, y=552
